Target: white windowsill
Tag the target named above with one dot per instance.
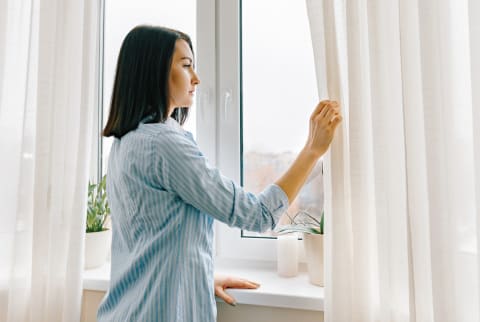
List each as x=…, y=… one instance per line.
x=275, y=291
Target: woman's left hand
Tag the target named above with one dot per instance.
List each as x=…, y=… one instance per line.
x=222, y=282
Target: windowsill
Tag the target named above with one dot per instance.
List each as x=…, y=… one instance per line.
x=294, y=292
x=275, y=291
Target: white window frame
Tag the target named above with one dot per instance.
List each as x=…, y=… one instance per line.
x=96, y=155
x=218, y=116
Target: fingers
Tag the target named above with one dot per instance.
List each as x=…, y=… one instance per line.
x=336, y=120
x=331, y=112
x=240, y=283
x=320, y=107
x=256, y=285
x=220, y=292
x=223, y=282
x=324, y=108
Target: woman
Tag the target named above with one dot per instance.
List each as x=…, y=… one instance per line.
x=163, y=194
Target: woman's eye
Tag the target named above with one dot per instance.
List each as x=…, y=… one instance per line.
x=187, y=65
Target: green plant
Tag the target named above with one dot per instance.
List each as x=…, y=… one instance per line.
x=302, y=222
x=98, y=209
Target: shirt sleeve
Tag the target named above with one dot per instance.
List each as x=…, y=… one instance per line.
x=183, y=169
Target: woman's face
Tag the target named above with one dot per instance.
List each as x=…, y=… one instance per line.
x=183, y=79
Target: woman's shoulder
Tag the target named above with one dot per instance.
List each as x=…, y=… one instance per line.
x=149, y=132
x=166, y=132
x=159, y=140
x=154, y=130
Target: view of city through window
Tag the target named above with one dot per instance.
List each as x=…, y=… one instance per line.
x=279, y=94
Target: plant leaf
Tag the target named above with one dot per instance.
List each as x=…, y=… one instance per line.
x=97, y=206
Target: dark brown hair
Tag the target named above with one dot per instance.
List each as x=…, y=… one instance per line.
x=141, y=80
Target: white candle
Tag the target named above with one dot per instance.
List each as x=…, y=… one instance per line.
x=287, y=255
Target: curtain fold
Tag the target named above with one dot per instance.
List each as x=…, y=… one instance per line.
x=325, y=26
x=46, y=117
x=402, y=180
x=417, y=190
x=474, y=24
x=388, y=136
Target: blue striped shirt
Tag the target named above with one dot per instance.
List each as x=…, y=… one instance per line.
x=164, y=197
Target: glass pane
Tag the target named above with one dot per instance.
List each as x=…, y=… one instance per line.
x=120, y=17
x=279, y=94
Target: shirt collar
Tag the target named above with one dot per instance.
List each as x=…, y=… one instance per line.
x=170, y=121
x=174, y=124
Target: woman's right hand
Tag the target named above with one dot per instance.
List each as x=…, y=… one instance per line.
x=323, y=123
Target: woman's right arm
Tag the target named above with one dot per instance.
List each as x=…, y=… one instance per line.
x=183, y=170
x=323, y=122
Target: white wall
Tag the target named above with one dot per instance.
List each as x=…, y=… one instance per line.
x=226, y=313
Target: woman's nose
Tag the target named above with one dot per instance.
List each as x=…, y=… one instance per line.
x=195, y=79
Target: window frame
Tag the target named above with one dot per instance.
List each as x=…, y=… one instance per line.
x=219, y=118
x=96, y=155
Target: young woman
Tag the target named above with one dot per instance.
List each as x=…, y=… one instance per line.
x=164, y=195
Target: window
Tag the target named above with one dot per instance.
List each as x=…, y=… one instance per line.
x=278, y=96
x=265, y=92
x=237, y=51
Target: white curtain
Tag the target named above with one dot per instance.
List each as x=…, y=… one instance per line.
x=48, y=89
x=402, y=185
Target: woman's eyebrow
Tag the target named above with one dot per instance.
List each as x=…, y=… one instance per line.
x=191, y=60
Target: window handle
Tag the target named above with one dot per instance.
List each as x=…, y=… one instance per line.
x=206, y=103
x=226, y=101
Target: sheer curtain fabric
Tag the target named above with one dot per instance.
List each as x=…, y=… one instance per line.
x=48, y=57
x=403, y=174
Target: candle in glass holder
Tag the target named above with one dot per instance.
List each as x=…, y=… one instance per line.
x=287, y=255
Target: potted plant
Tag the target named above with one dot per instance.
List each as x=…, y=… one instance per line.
x=97, y=239
x=312, y=230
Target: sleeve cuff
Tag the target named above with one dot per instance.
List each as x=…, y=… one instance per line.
x=275, y=200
